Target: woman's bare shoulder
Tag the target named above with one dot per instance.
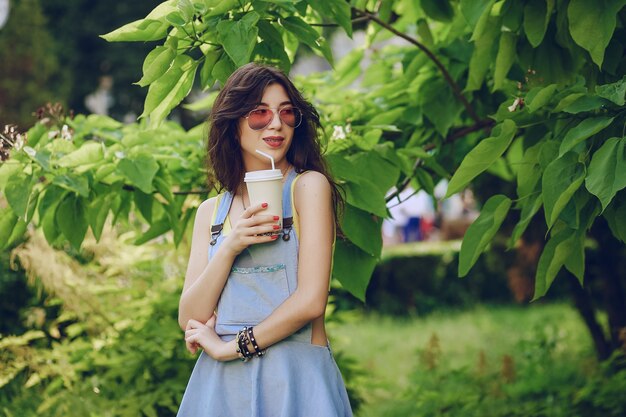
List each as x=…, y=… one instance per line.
x=313, y=181
x=205, y=210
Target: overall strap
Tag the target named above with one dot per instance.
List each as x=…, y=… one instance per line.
x=223, y=208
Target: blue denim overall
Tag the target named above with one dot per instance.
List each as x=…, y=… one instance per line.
x=295, y=378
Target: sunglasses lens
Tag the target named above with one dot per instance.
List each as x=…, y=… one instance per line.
x=260, y=118
x=290, y=116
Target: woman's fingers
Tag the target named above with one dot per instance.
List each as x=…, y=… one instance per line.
x=252, y=210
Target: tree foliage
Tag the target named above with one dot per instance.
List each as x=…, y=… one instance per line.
x=529, y=91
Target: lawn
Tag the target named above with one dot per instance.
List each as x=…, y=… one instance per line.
x=487, y=356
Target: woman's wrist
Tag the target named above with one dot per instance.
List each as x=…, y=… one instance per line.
x=228, y=351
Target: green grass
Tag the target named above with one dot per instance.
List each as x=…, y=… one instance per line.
x=391, y=350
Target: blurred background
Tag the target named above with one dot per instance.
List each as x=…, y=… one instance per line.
x=94, y=332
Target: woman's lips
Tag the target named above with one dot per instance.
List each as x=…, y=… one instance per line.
x=274, y=141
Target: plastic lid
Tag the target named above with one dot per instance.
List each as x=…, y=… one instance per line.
x=263, y=175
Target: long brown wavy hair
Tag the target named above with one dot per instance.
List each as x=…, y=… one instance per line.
x=242, y=93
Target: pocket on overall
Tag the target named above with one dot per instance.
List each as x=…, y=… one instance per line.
x=251, y=294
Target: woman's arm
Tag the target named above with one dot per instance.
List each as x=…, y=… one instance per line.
x=204, y=279
x=316, y=225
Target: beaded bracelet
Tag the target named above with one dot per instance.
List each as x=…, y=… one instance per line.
x=242, y=345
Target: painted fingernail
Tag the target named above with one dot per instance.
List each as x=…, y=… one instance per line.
x=274, y=237
x=264, y=205
x=276, y=227
x=276, y=217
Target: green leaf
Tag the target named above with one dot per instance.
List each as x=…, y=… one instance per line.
x=440, y=10
x=472, y=10
x=139, y=170
x=439, y=104
x=482, y=230
x=529, y=170
x=561, y=178
x=17, y=192
x=554, y=255
x=484, y=51
x=607, y=171
x=482, y=156
x=97, y=212
x=362, y=229
x=71, y=219
x=75, y=183
x=615, y=215
x=307, y=34
x=223, y=68
x=366, y=196
x=240, y=37
x=381, y=172
x=591, y=24
x=175, y=18
x=615, y=92
x=8, y=220
x=505, y=58
x=170, y=89
x=89, y=153
x=211, y=58
x=143, y=202
x=584, y=130
x=536, y=17
x=353, y=268
x=542, y=98
x=336, y=11
x=152, y=28
x=220, y=7
x=585, y=103
x=157, y=62
x=156, y=229
x=530, y=207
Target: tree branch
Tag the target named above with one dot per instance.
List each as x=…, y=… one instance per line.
x=455, y=135
x=455, y=88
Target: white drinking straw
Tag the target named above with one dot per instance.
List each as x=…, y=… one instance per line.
x=267, y=156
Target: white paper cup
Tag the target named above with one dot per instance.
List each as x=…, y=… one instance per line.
x=266, y=186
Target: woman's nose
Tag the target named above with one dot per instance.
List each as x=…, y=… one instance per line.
x=276, y=123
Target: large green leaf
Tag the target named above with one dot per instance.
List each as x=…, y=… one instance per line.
x=334, y=10
x=71, y=219
x=542, y=98
x=139, y=170
x=362, y=229
x=504, y=59
x=439, y=104
x=482, y=156
x=8, y=220
x=97, y=212
x=615, y=215
x=305, y=33
x=591, y=24
x=472, y=10
x=480, y=233
x=157, y=62
x=152, y=28
x=615, y=92
x=366, y=196
x=168, y=90
x=529, y=170
x=239, y=37
x=353, y=268
x=89, y=153
x=561, y=178
x=530, y=207
x=536, y=17
x=440, y=10
x=380, y=171
x=583, y=130
x=76, y=183
x=17, y=192
x=607, y=170
x=484, y=50
x=210, y=59
x=555, y=254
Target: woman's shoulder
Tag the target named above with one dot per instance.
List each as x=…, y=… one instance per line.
x=312, y=179
x=207, y=207
x=311, y=184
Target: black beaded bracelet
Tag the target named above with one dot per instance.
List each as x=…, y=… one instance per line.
x=242, y=343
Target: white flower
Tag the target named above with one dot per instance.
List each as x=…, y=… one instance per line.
x=120, y=154
x=338, y=132
x=66, y=133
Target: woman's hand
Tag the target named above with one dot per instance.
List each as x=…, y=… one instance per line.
x=252, y=228
x=203, y=335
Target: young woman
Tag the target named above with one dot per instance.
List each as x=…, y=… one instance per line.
x=255, y=305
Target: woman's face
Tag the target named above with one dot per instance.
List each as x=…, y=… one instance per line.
x=273, y=139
